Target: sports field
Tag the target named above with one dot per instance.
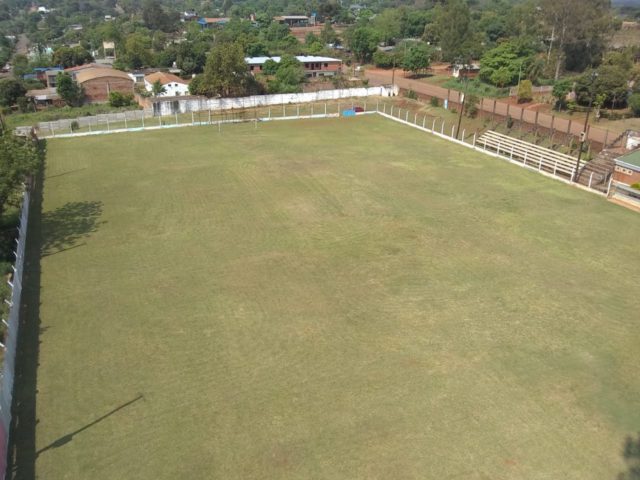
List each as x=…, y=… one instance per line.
x=322, y=299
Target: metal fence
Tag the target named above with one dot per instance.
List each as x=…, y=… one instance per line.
x=185, y=106
x=118, y=123
x=440, y=128
x=11, y=324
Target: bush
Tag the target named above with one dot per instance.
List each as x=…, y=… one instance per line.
x=75, y=126
x=636, y=186
x=634, y=104
x=509, y=122
x=382, y=59
x=411, y=95
x=117, y=99
x=525, y=91
x=435, y=102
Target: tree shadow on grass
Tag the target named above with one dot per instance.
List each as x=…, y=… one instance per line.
x=64, y=227
x=631, y=456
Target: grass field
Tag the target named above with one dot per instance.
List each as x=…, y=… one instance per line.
x=329, y=299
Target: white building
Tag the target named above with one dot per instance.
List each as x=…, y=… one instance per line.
x=173, y=85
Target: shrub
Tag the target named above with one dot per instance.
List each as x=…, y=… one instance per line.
x=435, y=102
x=636, y=186
x=634, y=104
x=471, y=106
x=509, y=122
x=75, y=126
x=117, y=99
x=525, y=91
x=411, y=95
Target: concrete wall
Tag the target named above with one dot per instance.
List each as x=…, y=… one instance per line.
x=194, y=104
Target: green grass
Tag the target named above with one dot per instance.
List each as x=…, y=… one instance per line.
x=331, y=299
x=57, y=113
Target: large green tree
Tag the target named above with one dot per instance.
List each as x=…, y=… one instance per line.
x=10, y=90
x=577, y=31
x=70, y=92
x=225, y=73
x=504, y=64
x=417, y=58
x=363, y=42
x=453, y=29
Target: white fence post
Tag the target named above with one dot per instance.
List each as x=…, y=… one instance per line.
x=590, y=179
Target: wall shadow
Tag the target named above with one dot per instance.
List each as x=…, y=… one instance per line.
x=22, y=440
x=64, y=227
x=631, y=456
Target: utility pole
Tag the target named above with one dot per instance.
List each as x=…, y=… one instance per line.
x=583, y=134
x=461, y=94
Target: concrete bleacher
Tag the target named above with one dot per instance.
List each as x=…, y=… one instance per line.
x=530, y=154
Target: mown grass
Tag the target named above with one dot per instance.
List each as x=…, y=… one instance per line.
x=344, y=298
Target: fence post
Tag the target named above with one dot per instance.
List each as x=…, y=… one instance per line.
x=555, y=167
x=525, y=157
x=498, y=149
x=590, y=179
x=433, y=127
x=159, y=121
x=312, y=109
x=442, y=128
x=176, y=118
x=210, y=116
x=89, y=125
x=298, y=111
x=406, y=117
x=125, y=121
x=384, y=108
x=609, y=186
x=143, y=120
x=415, y=118
x=463, y=132
x=108, y=127
x=424, y=119
x=284, y=110
x=192, y=118
x=511, y=155
x=453, y=129
x=474, y=139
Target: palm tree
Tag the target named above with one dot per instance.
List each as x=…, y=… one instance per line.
x=157, y=88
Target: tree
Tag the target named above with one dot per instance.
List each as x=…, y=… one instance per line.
x=10, y=90
x=225, y=73
x=611, y=82
x=453, y=28
x=70, y=92
x=417, y=58
x=561, y=89
x=504, y=64
x=18, y=159
x=634, y=104
x=577, y=31
x=67, y=57
x=20, y=65
x=270, y=67
x=158, y=89
x=155, y=18
x=525, y=91
x=363, y=41
x=328, y=35
x=289, y=76
x=388, y=24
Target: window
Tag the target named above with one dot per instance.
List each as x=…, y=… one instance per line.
x=326, y=65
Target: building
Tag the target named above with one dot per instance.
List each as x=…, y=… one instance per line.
x=213, y=22
x=99, y=82
x=174, y=86
x=293, y=20
x=45, y=97
x=627, y=168
x=313, y=66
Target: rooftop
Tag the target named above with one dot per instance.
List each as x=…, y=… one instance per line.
x=632, y=159
x=164, y=78
x=300, y=58
x=214, y=20
x=92, y=73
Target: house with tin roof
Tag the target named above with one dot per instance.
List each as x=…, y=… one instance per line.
x=314, y=66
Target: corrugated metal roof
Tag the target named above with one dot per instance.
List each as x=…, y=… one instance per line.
x=300, y=58
x=632, y=158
